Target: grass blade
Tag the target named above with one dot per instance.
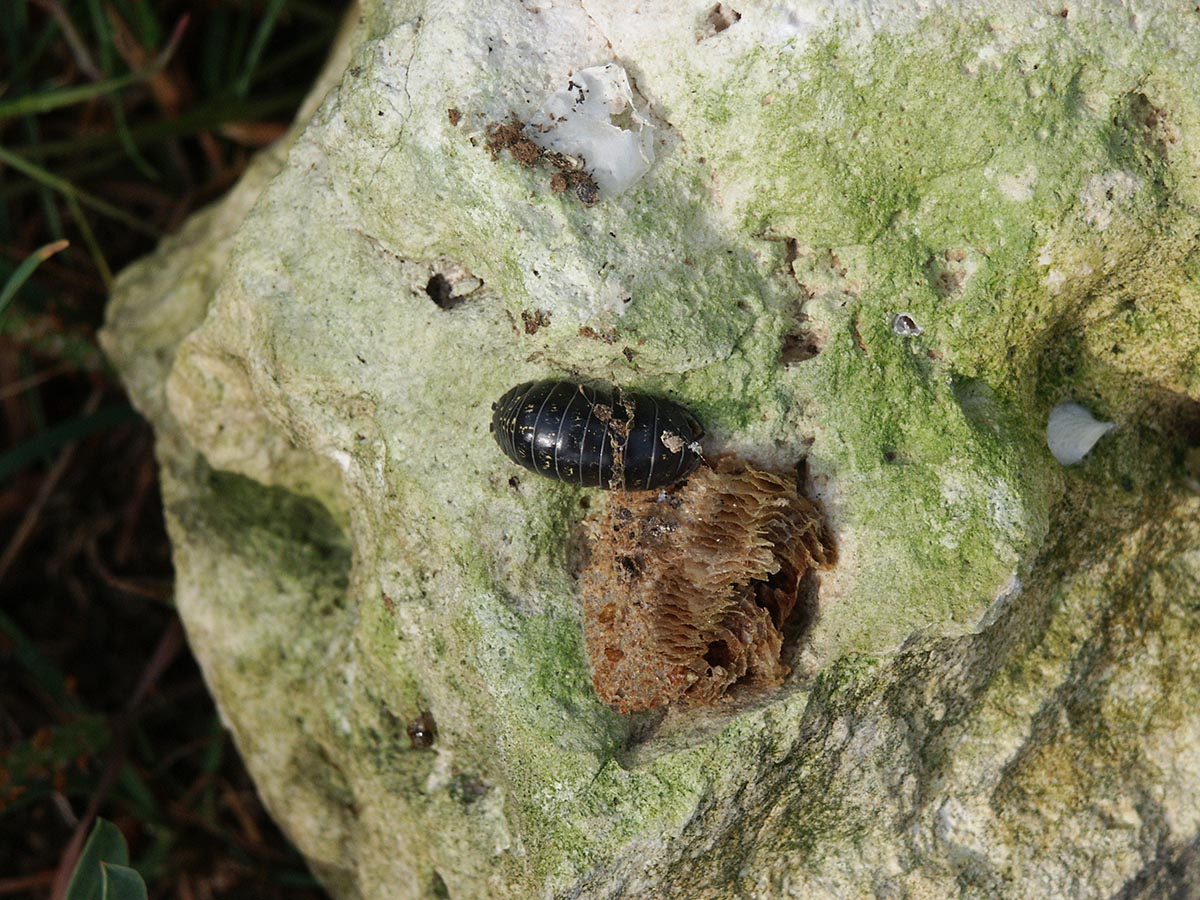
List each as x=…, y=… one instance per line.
x=53, y=438
x=37, y=173
x=122, y=128
x=21, y=274
x=89, y=239
x=261, y=35
x=32, y=104
x=207, y=117
x=46, y=101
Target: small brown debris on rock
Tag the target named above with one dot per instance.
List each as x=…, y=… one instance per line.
x=672, y=441
x=535, y=320
x=454, y=116
x=510, y=136
x=564, y=162
x=858, y=338
x=586, y=189
x=526, y=152
x=569, y=171
x=687, y=590
x=607, y=337
x=949, y=272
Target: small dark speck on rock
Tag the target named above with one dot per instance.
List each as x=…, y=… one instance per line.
x=587, y=191
x=422, y=731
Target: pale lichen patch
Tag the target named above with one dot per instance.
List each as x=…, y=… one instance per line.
x=1018, y=188
x=1103, y=196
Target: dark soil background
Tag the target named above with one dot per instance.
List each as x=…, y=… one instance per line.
x=118, y=118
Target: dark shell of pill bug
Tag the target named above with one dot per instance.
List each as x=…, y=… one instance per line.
x=596, y=436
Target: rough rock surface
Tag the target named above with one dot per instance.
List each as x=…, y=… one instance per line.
x=887, y=236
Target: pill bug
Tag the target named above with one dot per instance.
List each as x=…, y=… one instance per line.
x=596, y=436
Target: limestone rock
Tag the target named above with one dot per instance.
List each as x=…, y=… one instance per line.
x=998, y=694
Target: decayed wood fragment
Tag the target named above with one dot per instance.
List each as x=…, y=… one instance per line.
x=687, y=590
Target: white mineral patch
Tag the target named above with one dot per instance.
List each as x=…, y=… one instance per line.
x=594, y=118
x=783, y=22
x=1072, y=431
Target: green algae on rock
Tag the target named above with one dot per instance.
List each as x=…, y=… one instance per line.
x=998, y=694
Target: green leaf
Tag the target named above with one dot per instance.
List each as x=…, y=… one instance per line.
x=122, y=883
x=105, y=845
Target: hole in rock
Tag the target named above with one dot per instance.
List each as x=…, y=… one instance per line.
x=719, y=18
x=441, y=292
x=804, y=342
